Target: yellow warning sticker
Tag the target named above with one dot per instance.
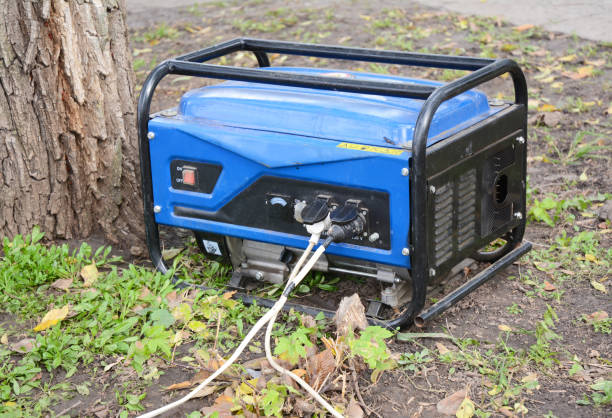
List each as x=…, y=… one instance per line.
x=370, y=148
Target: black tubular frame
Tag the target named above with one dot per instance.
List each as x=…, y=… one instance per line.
x=483, y=70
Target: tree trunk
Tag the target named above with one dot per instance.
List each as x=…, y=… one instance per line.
x=68, y=146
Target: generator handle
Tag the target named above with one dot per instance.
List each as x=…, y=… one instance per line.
x=418, y=172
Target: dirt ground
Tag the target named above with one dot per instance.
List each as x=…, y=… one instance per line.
x=570, y=93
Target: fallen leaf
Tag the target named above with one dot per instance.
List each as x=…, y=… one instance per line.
x=207, y=390
x=354, y=410
x=52, y=317
x=450, y=404
x=89, y=274
x=228, y=295
x=506, y=411
x=590, y=257
x=182, y=385
x=24, y=346
x=599, y=286
x=597, y=316
x=170, y=253
x=173, y=299
x=532, y=377
x=568, y=58
x=466, y=409
x=223, y=405
x=144, y=293
x=596, y=63
x=523, y=28
x=299, y=372
x=4, y=339
x=62, y=284
x=548, y=286
x=580, y=73
x=547, y=107
x=442, y=348
x=320, y=367
x=504, y=328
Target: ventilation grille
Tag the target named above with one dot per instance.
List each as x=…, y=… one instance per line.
x=455, y=210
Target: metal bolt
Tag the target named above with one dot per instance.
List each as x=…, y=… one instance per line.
x=156, y=208
x=518, y=215
x=364, y=213
x=432, y=272
x=520, y=139
x=405, y=251
x=259, y=275
x=151, y=135
x=405, y=171
x=432, y=189
x=374, y=237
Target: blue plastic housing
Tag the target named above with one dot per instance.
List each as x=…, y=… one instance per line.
x=337, y=138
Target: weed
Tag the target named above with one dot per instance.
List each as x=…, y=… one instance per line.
x=514, y=309
x=540, y=352
x=372, y=348
x=163, y=31
x=579, y=148
x=293, y=347
x=415, y=361
x=603, y=326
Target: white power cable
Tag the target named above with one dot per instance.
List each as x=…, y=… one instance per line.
x=293, y=281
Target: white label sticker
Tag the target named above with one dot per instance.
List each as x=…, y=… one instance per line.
x=211, y=247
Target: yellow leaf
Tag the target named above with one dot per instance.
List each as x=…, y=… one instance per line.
x=585, y=71
x=548, y=79
x=556, y=85
x=10, y=403
x=568, y=58
x=4, y=339
x=504, y=328
x=89, y=274
x=51, y=318
x=496, y=389
x=365, y=17
x=590, y=257
x=466, y=409
x=609, y=111
x=547, y=107
x=599, y=286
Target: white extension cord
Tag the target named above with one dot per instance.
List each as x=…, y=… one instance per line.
x=270, y=316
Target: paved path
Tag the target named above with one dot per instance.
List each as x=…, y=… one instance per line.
x=590, y=19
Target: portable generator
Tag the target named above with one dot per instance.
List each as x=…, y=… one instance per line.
x=420, y=174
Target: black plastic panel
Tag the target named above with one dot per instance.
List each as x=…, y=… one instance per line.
x=206, y=175
x=261, y=206
x=476, y=184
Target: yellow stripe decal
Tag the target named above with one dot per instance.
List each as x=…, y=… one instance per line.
x=370, y=148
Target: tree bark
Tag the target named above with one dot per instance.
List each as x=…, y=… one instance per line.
x=68, y=143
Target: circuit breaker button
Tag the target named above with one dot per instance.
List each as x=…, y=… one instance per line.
x=189, y=177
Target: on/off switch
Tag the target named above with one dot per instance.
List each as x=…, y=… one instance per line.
x=189, y=176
